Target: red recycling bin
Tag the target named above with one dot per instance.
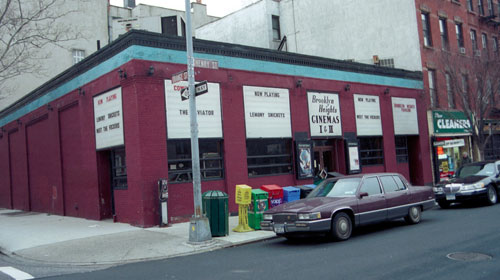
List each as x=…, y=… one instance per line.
x=275, y=194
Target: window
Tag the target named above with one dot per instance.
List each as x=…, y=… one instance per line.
x=492, y=149
x=169, y=25
x=484, y=41
x=495, y=45
x=180, y=161
x=399, y=182
x=389, y=62
x=460, y=35
x=371, y=150
x=401, y=149
x=389, y=184
x=269, y=156
x=473, y=38
x=465, y=83
x=449, y=91
x=118, y=169
x=78, y=55
x=276, y=28
x=443, y=29
x=470, y=5
x=426, y=30
x=480, y=7
x=371, y=186
x=491, y=12
x=432, y=88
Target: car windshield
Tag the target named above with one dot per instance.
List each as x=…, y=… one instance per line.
x=480, y=170
x=336, y=188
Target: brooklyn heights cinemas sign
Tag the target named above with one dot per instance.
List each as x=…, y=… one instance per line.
x=324, y=114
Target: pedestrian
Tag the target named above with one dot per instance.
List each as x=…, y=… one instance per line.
x=465, y=159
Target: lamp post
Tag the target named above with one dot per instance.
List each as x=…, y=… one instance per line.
x=199, y=227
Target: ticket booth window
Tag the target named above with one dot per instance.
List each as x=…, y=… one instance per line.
x=118, y=168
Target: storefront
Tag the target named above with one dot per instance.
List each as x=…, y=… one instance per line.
x=450, y=140
x=103, y=133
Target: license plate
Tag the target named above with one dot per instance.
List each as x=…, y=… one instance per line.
x=279, y=228
x=450, y=197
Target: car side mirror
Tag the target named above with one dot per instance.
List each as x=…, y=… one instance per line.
x=363, y=194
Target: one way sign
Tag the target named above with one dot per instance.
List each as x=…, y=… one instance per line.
x=199, y=89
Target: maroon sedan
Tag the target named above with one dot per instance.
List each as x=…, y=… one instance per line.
x=338, y=204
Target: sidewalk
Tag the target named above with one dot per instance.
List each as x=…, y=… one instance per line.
x=66, y=240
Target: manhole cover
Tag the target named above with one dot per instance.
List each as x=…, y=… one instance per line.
x=469, y=257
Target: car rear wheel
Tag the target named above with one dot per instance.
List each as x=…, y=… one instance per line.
x=341, y=227
x=492, y=195
x=414, y=215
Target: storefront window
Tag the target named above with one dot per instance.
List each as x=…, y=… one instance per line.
x=180, y=162
x=448, y=152
x=371, y=150
x=492, y=149
x=269, y=156
x=401, y=149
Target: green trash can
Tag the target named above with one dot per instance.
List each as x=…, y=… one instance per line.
x=216, y=208
x=257, y=207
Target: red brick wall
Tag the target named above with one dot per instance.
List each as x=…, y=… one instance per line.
x=19, y=170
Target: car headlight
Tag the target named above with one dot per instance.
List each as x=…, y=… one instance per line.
x=479, y=185
x=472, y=187
x=310, y=216
x=268, y=217
x=437, y=189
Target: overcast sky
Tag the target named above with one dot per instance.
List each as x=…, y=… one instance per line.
x=214, y=7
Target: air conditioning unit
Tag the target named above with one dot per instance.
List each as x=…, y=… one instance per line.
x=477, y=52
x=462, y=50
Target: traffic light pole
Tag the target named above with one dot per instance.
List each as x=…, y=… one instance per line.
x=199, y=228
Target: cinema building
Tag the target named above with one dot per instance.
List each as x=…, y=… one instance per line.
x=94, y=141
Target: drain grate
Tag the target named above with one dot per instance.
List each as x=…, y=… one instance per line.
x=469, y=257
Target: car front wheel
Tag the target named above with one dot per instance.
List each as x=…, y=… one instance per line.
x=492, y=195
x=341, y=227
x=414, y=215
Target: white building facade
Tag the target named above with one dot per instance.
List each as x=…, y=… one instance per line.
x=327, y=28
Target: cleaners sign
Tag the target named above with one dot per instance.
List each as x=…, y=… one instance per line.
x=108, y=119
x=267, y=112
x=324, y=114
x=450, y=122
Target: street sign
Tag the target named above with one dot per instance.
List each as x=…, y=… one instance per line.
x=181, y=76
x=205, y=63
x=199, y=89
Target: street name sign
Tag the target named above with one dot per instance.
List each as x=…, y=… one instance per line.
x=178, y=77
x=199, y=89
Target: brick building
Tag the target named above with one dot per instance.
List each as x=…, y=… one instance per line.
x=93, y=141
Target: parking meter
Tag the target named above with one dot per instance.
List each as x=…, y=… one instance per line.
x=163, y=198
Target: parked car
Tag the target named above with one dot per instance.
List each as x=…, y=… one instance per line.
x=337, y=205
x=478, y=181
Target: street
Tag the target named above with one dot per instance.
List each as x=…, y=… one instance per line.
x=392, y=250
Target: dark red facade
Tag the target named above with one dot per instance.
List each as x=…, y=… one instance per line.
x=49, y=162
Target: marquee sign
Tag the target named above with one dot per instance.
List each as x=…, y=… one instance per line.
x=404, y=114
x=108, y=119
x=267, y=112
x=207, y=106
x=324, y=114
x=367, y=108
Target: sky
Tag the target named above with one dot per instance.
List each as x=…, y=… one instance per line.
x=218, y=8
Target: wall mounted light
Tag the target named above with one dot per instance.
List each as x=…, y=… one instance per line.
x=19, y=122
x=386, y=91
x=347, y=87
x=81, y=92
x=151, y=70
x=122, y=74
x=298, y=83
x=49, y=107
x=3, y=129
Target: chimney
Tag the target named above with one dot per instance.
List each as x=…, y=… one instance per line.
x=129, y=3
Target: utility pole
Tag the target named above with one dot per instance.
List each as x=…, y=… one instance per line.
x=199, y=227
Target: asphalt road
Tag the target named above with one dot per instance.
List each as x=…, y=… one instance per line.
x=392, y=250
